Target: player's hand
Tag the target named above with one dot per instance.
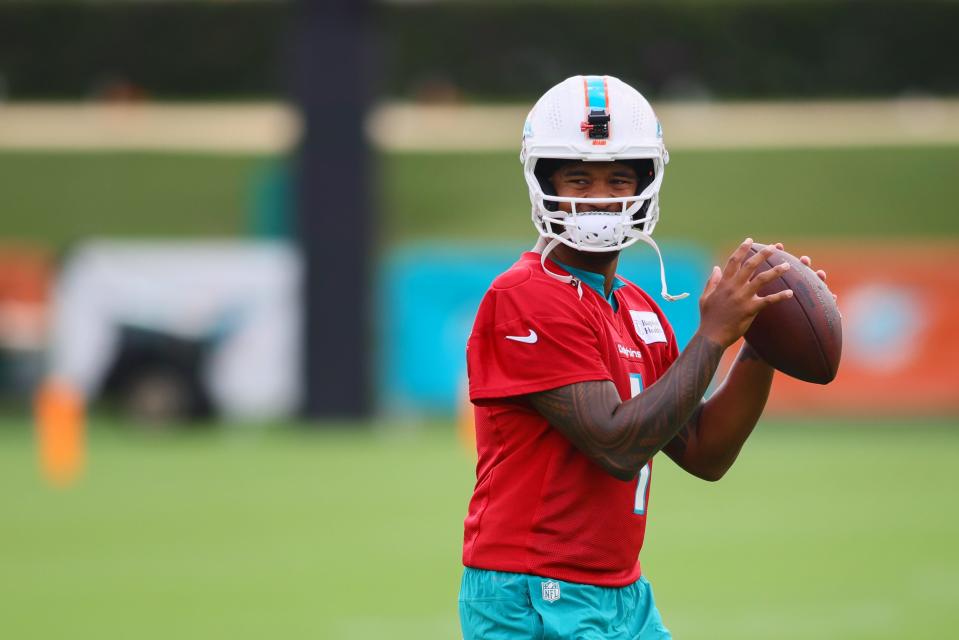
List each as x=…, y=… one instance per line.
x=806, y=260
x=731, y=301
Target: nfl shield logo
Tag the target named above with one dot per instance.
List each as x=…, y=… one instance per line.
x=550, y=591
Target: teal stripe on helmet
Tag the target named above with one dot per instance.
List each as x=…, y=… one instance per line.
x=596, y=93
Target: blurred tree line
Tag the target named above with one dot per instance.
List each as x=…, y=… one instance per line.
x=497, y=51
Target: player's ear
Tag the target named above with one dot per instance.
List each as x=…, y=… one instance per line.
x=645, y=173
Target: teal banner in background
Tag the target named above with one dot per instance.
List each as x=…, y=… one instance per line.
x=429, y=295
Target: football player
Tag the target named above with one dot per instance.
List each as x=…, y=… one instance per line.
x=577, y=382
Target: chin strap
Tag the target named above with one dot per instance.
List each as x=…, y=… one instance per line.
x=544, y=251
x=662, y=266
x=544, y=248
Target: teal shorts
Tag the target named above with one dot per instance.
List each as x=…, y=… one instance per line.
x=494, y=604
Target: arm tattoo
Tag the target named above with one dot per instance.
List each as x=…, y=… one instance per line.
x=622, y=436
x=676, y=448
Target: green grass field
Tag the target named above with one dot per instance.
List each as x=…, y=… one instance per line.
x=711, y=197
x=819, y=531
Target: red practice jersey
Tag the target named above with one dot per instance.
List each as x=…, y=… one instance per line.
x=540, y=506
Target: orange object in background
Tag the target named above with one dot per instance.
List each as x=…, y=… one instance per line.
x=26, y=277
x=60, y=432
x=900, y=308
x=25, y=274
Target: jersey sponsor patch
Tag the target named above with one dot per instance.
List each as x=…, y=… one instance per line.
x=647, y=326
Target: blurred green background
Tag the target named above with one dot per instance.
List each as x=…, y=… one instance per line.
x=710, y=197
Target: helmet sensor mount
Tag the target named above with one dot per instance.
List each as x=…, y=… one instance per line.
x=596, y=125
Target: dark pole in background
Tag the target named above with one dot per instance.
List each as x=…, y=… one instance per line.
x=334, y=207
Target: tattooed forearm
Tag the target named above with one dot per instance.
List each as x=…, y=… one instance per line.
x=622, y=436
x=676, y=448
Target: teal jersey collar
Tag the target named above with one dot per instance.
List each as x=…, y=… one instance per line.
x=596, y=282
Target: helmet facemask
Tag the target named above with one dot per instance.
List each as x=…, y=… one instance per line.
x=584, y=227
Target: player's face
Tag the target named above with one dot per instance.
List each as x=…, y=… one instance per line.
x=594, y=180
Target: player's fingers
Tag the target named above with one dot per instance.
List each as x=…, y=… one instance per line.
x=749, y=267
x=736, y=259
x=773, y=298
x=779, y=245
x=821, y=274
x=769, y=275
x=806, y=260
x=714, y=277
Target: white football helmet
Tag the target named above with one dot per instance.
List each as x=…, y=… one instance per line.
x=594, y=118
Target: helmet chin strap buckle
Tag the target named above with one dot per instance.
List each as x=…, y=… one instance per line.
x=596, y=126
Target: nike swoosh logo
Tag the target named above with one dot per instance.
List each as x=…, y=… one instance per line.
x=530, y=339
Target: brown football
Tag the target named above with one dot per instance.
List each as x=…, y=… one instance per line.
x=800, y=336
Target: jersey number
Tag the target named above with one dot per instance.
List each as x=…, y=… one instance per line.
x=642, y=486
x=642, y=483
